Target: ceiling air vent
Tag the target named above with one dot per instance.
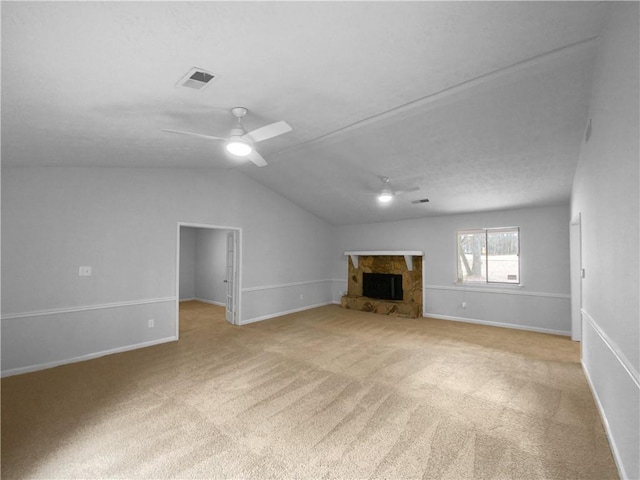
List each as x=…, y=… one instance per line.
x=197, y=79
x=423, y=200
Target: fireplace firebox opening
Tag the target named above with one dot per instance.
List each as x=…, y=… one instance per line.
x=384, y=286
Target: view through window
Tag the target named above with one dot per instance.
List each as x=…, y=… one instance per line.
x=489, y=255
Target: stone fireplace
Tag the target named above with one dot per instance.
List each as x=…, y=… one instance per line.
x=408, y=264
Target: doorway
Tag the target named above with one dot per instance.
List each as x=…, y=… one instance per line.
x=576, y=274
x=208, y=267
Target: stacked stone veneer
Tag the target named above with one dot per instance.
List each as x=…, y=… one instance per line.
x=411, y=304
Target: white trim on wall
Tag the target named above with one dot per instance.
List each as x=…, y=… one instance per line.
x=279, y=314
x=606, y=394
x=496, y=324
x=211, y=302
x=284, y=285
x=617, y=353
x=82, y=358
x=84, y=308
x=489, y=289
x=492, y=290
x=605, y=422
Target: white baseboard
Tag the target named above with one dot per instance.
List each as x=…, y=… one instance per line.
x=605, y=423
x=187, y=299
x=211, y=302
x=497, y=324
x=626, y=372
x=82, y=358
x=279, y=314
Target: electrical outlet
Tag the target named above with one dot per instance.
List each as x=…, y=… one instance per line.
x=302, y=296
x=464, y=305
x=84, y=271
x=151, y=323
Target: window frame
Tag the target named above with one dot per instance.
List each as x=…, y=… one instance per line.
x=486, y=231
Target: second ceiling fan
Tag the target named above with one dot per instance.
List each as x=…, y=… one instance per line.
x=387, y=193
x=240, y=143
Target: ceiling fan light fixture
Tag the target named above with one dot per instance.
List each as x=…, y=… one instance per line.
x=239, y=148
x=240, y=143
x=385, y=196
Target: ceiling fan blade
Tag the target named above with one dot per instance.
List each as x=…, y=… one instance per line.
x=208, y=137
x=407, y=190
x=256, y=158
x=268, y=131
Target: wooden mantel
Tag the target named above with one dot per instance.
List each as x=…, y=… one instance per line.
x=407, y=254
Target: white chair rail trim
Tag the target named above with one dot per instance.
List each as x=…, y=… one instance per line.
x=58, y=311
x=493, y=290
x=285, y=285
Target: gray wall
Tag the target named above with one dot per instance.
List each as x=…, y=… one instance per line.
x=541, y=304
x=187, y=263
x=210, y=271
x=605, y=194
x=123, y=223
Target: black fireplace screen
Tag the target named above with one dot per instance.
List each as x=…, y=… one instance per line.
x=385, y=286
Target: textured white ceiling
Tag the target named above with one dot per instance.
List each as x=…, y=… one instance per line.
x=480, y=104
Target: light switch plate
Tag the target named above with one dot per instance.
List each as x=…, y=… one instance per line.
x=84, y=271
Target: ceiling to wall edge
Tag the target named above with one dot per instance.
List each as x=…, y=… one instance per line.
x=433, y=100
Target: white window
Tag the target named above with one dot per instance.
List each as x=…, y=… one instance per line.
x=489, y=255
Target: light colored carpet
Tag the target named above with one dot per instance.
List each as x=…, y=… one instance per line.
x=326, y=393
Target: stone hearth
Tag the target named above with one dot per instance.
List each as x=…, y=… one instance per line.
x=411, y=303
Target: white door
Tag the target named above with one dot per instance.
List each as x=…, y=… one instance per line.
x=577, y=273
x=231, y=277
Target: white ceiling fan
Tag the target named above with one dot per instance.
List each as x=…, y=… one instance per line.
x=240, y=142
x=387, y=193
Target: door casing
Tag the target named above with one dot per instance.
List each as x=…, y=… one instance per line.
x=576, y=274
x=237, y=281
x=231, y=272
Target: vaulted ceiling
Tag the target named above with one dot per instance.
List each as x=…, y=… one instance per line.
x=482, y=105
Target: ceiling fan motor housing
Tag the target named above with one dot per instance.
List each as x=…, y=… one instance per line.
x=237, y=133
x=239, y=112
